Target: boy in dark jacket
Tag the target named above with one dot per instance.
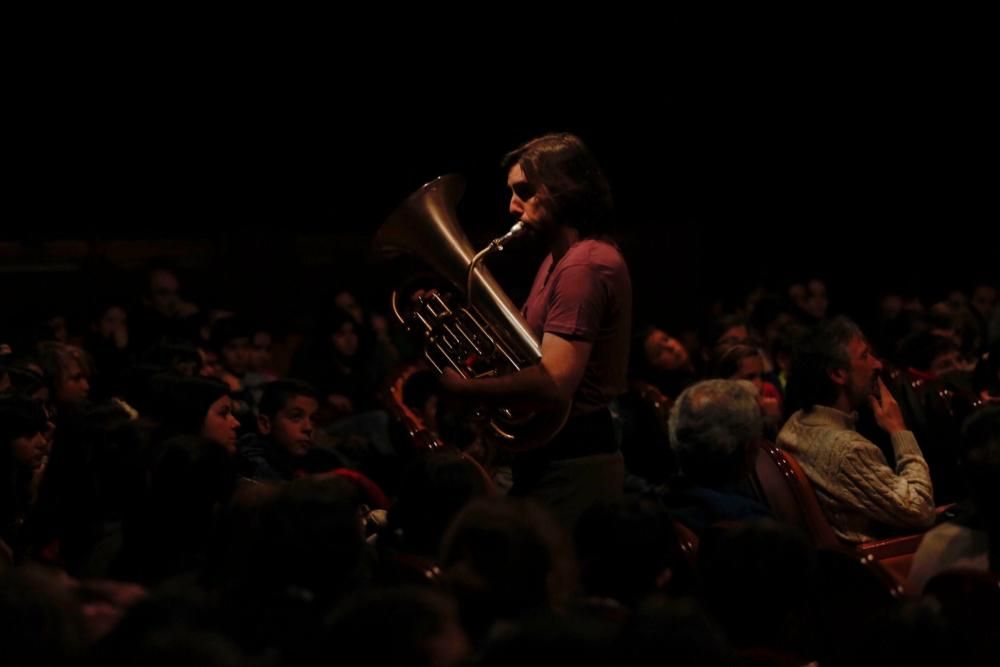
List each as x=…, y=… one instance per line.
x=285, y=448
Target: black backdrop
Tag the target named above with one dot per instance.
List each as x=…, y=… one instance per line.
x=869, y=186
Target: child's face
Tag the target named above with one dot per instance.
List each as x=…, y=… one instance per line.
x=236, y=355
x=292, y=426
x=345, y=340
x=75, y=385
x=220, y=424
x=113, y=319
x=346, y=302
x=30, y=450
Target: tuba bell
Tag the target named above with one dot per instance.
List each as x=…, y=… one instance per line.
x=484, y=336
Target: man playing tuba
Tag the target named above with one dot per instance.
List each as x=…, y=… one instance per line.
x=580, y=306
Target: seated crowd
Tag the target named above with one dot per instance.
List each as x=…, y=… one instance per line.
x=189, y=484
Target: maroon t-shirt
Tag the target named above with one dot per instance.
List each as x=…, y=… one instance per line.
x=587, y=296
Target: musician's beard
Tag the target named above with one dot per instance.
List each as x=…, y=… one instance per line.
x=540, y=232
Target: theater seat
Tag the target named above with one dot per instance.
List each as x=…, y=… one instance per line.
x=790, y=495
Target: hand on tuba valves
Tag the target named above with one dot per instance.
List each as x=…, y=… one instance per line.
x=463, y=347
x=478, y=333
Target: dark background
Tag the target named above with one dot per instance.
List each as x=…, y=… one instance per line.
x=872, y=184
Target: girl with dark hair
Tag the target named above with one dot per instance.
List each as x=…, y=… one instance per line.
x=23, y=449
x=196, y=406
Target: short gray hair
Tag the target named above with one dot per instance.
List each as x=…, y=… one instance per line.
x=709, y=426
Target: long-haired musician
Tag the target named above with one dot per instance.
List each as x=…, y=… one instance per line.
x=580, y=306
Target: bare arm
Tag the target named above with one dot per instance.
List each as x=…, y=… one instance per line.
x=553, y=380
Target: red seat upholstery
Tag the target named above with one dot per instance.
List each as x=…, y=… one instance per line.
x=789, y=494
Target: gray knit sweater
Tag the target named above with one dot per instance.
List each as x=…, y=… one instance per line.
x=858, y=491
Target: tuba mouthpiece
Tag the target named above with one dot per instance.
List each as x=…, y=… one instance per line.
x=517, y=230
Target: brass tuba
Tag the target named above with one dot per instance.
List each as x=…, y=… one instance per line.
x=483, y=337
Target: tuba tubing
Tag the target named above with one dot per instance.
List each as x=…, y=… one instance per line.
x=485, y=337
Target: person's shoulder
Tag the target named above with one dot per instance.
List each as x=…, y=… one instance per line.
x=794, y=420
x=603, y=248
x=948, y=531
x=795, y=429
x=812, y=429
x=955, y=537
x=593, y=254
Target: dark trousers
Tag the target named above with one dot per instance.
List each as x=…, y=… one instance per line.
x=579, y=468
